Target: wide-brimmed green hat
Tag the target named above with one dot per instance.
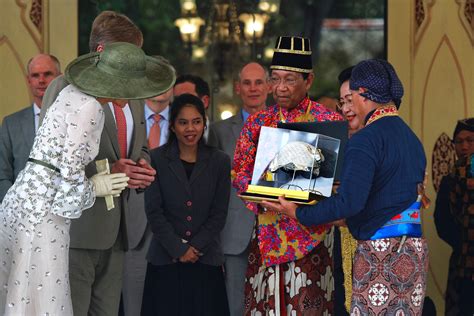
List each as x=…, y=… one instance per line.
x=120, y=71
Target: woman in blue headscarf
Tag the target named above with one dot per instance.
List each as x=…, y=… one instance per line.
x=379, y=197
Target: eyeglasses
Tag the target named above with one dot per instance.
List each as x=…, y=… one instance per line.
x=460, y=141
x=346, y=100
x=288, y=82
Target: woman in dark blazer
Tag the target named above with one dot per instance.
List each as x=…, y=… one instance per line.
x=186, y=207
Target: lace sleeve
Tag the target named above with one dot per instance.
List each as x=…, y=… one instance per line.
x=75, y=192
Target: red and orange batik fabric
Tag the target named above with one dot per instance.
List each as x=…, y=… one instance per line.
x=290, y=268
x=389, y=279
x=301, y=287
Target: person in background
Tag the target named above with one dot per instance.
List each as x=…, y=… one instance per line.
x=253, y=88
x=186, y=207
x=195, y=85
x=277, y=283
x=99, y=238
x=462, y=209
x=379, y=197
x=138, y=231
x=447, y=225
x=18, y=129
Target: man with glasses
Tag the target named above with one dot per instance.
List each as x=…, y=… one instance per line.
x=451, y=227
x=303, y=269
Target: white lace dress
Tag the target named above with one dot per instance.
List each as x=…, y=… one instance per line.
x=35, y=213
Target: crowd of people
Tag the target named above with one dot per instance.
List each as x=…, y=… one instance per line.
x=161, y=229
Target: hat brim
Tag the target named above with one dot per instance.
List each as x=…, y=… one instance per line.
x=83, y=73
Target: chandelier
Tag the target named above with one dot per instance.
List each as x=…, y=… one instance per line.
x=222, y=30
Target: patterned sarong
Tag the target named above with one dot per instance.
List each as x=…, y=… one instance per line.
x=297, y=288
x=387, y=279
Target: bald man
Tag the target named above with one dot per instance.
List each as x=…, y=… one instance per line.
x=18, y=129
x=253, y=88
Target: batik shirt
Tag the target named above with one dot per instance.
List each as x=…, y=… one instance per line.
x=280, y=238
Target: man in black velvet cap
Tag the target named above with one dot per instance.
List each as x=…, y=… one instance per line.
x=290, y=266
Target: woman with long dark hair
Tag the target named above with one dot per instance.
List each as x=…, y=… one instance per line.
x=186, y=207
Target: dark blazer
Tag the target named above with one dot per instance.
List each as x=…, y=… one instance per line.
x=193, y=209
x=16, y=139
x=240, y=221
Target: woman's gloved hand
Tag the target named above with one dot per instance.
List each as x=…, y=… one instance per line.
x=109, y=184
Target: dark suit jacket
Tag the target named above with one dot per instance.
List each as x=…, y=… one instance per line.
x=240, y=221
x=191, y=209
x=98, y=228
x=16, y=139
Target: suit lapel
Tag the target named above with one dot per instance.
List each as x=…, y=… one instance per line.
x=176, y=166
x=111, y=129
x=28, y=128
x=138, y=136
x=237, y=124
x=201, y=163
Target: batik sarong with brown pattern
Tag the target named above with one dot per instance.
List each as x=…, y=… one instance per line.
x=389, y=279
x=301, y=287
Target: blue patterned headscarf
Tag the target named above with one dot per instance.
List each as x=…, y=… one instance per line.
x=380, y=80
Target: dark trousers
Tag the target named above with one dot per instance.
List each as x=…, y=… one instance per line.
x=184, y=289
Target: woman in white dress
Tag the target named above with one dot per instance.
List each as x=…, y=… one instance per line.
x=36, y=212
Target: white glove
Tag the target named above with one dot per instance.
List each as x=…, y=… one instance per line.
x=109, y=184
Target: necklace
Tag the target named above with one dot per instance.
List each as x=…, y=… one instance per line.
x=283, y=119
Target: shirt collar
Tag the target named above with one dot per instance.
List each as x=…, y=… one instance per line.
x=164, y=114
x=111, y=104
x=36, y=109
x=245, y=115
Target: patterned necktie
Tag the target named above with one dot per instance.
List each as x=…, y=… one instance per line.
x=155, y=132
x=121, y=123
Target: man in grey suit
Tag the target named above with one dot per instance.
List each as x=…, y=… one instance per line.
x=253, y=88
x=19, y=129
x=140, y=235
x=99, y=237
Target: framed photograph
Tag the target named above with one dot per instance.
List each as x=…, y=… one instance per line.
x=299, y=165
